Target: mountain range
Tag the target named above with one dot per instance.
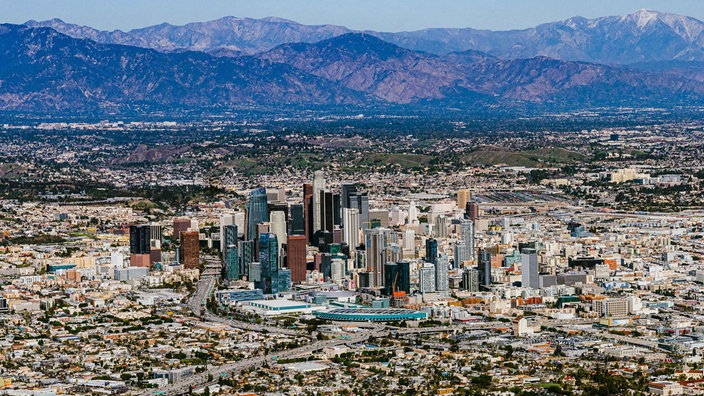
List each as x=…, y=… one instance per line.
x=643, y=59
x=643, y=36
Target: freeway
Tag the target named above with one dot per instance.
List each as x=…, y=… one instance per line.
x=201, y=379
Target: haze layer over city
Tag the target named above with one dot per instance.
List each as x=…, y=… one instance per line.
x=315, y=198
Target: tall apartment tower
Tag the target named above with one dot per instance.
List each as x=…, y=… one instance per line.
x=426, y=278
x=467, y=233
x=442, y=278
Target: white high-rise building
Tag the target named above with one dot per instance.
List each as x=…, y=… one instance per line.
x=318, y=187
x=412, y=213
x=442, y=268
x=350, y=233
x=409, y=240
x=426, y=278
x=277, y=225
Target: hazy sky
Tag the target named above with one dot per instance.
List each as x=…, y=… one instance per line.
x=383, y=15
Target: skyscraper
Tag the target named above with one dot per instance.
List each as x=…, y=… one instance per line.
x=431, y=250
x=409, y=239
x=308, y=211
x=269, y=261
x=467, y=230
x=529, y=269
x=426, y=278
x=247, y=257
x=327, y=211
x=140, y=236
x=442, y=278
x=180, y=224
x=460, y=253
x=412, y=213
x=232, y=263
x=397, y=277
x=318, y=188
x=377, y=243
x=463, y=197
x=225, y=220
x=484, y=267
x=296, y=256
x=277, y=225
x=350, y=233
x=470, y=280
x=472, y=210
x=257, y=211
x=441, y=226
x=229, y=239
x=190, y=249
x=297, y=223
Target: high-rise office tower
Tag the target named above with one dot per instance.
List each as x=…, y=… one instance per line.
x=431, y=250
x=229, y=238
x=350, y=233
x=231, y=270
x=426, y=278
x=352, y=198
x=308, y=211
x=318, y=188
x=190, y=249
x=296, y=256
x=463, y=196
x=442, y=276
x=327, y=211
x=140, y=237
x=180, y=224
x=269, y=261
x=412, y=213
x=225, y=220
x=467, y=230
x=326, y=265
x=377, y=242
x=347, y=189
x=441, y=227
x=247, y=254
x=529, y=269
x=390, y=278
x=277, y=225
x=257, y=211
x=297, y=222
x=255, y=273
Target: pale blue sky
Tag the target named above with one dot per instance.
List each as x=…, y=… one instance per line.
x=382, y=15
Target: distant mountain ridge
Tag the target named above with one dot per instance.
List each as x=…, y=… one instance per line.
x=643, y=36
x=49, y=72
